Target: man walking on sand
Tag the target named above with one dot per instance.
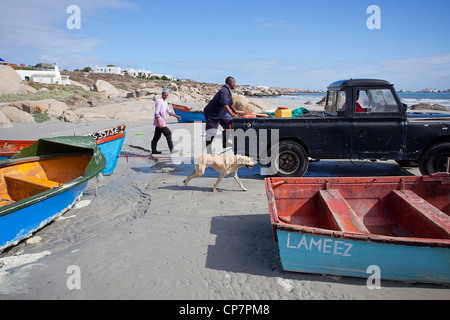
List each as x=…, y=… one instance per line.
x=217, y=110
x=161, y=108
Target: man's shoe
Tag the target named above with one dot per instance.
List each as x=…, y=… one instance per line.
x=154, y=151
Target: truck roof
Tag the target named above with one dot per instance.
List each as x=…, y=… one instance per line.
x=360, y=83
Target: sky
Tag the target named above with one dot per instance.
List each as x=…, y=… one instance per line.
x=290, y=44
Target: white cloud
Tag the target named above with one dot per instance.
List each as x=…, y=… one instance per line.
x=35, y=29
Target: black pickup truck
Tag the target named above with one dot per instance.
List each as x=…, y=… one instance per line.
x=362, y=119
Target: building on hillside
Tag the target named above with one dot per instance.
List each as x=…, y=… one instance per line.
x=171, y=78
x=112, y=70
x=47, y=76
x=130, y=72
x=137, y=73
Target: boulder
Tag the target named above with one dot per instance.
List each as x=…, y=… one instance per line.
x=53, y=107
x=262, y=105
x=194, y=90
x=30, y=89
x=32, y=107
x=172, y=87
x=4, y=121
x=439, y=107
x=17, y=116
x=428, y=106
x=56, y=108
x=131, y=95
x=69, y=116
x=10, y=81
x=184, y=89
x=241, y=103
x=106, y=88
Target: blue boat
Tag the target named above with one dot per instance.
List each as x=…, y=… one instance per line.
x=42, y=182
x=110, y=142
x=397, y=226
x=188, y=115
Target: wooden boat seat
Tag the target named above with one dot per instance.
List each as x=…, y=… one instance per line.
x=340, y=214
x=22, y=186
x=422, y=218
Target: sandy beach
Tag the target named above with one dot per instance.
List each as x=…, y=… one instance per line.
x=141, y=234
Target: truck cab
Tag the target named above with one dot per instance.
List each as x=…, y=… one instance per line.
x=377, y=117
x=362, y=119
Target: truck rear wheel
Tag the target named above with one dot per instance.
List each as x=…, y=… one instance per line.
x=291, y=160
x=435, y=159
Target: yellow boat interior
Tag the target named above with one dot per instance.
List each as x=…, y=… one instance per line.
x=23, y=180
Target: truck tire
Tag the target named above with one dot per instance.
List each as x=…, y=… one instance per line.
x=291, y=160
x=435, y=159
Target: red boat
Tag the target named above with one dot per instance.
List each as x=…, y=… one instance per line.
x=9, y=147
x=345, y=226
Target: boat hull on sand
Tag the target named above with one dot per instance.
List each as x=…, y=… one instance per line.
x=187, y=115
x=42, y=182
x=399, y=226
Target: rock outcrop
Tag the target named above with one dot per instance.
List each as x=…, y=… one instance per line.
x=10, y=81
x=4, y=121
x=107, y=89
x=428, y=106
x=16, y=115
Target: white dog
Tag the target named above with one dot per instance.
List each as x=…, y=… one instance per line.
x=223, y=164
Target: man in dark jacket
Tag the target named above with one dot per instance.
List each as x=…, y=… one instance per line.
x=218, y=111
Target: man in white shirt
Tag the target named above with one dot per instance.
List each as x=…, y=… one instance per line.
x=161, y=108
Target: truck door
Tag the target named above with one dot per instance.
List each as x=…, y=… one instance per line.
x=378, y=124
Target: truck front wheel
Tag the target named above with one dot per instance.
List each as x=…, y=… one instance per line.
x=435, y=159
x=291, y=160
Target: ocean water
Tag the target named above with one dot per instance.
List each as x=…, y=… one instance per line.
x=408, y=98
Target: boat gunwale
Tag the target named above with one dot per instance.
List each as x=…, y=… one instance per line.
x=110, y=138
x=29, y=201
x=278, y=223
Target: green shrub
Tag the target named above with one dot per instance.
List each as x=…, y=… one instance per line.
x=41, y=117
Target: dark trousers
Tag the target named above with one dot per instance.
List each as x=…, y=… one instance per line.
x=162, y=131
x=212, y=125
x=158, y=132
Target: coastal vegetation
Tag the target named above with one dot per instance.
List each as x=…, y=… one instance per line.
x=64, y=93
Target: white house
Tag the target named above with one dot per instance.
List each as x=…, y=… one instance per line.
x=137, y=73
x=130, y=72
x=171, y=78
x=44, y=76
x=113, y=70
